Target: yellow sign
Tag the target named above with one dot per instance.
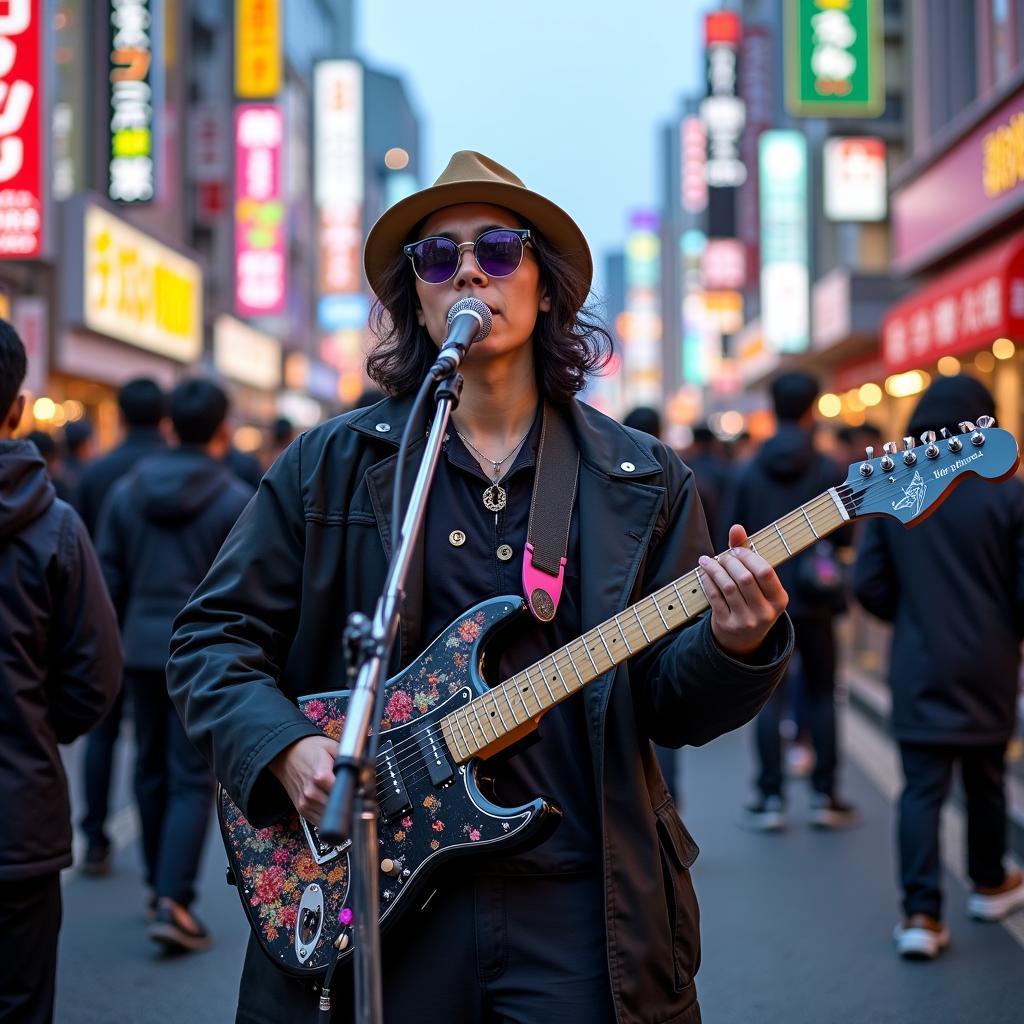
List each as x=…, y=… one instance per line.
x=257, y=49
x=1003, y=150
x=139, y=291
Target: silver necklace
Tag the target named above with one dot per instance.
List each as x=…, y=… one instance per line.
x=495, y=498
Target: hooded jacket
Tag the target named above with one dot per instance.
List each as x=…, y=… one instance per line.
x=160, y=530
x=787, y=472
x=60, y=660
x=265, y=626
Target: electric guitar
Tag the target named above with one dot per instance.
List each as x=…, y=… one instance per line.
x=441, y=719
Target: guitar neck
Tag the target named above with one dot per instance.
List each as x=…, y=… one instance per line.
x=511, y=709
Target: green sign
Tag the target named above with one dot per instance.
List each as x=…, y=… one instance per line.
x=835, y=58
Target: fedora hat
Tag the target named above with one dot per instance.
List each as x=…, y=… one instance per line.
x=473, y=178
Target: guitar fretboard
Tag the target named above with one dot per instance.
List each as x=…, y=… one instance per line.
x=514, y=705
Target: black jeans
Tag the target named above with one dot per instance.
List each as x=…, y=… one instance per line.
x=99, y=766
x=816, y=644
x=30, y=913
x=487, y=950
x=173, y=787
x=927, y=773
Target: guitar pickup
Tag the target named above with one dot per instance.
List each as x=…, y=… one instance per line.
x=435, y=755
x=391, y=793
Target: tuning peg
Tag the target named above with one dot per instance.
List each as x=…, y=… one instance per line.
x=890, y=450
x=866, y=469
x=909, y=458
x=928, y=437
x=977, y=439
x=984, y=422
x=966, y=426
x=954, y=444
x=944, y=432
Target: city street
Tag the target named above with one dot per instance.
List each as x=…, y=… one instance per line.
x=795, y=926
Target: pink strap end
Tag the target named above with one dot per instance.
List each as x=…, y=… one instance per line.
x=543, y=591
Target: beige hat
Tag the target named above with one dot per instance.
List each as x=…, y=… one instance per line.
x=473, y=178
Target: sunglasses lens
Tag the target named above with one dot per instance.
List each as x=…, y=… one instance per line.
x=435, y=260
x=499, y=253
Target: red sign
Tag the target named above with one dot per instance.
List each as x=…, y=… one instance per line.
x=962, y=310
x=722, y=27
x=978, y=182
x=21, y=181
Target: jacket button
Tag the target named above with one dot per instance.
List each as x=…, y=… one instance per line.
x=382, y=428
x=627, y=467
x=456, y=538
x=505, y=552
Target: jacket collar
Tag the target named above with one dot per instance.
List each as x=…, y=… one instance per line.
x=605, y=446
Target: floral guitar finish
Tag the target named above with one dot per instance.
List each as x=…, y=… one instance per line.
x=275, y=867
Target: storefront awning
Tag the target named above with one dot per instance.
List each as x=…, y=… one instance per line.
x=967, y=308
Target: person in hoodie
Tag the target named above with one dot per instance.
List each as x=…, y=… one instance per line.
x=787, y=472
x=143, y=407
x=60, y=669
x=159, y=533
x=954, y=690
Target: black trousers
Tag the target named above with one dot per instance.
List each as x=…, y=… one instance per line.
x=99, y=766
x=928, y=773
x=173, y=787
x=30, y=913
x=815, y=641
x=487, y=950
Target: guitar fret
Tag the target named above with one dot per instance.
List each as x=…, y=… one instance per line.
x=533, y=689
x=686, y=612
x=661, y=616
x=497, y=707
x=636, y=612
x=483, y=731
x=561, y=678
x=809, y=523
x=511, y=710
x=604, y=644
x=618, y=625
x=544, y=680
x=586, y=647
x=572, y=661
x=752, y=548
x=782, y=538
x=696, y=572
x=465, y=742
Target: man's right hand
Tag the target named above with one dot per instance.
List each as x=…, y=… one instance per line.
x=306, y=770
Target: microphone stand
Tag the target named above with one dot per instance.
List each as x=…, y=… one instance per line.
x=354, y=766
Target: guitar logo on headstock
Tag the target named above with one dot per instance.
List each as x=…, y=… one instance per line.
x=913, y=494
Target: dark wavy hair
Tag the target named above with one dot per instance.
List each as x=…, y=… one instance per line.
x=569, y=342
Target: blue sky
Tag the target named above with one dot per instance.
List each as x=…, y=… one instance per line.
x=566, y=93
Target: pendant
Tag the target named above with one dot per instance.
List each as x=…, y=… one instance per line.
x=494, y=498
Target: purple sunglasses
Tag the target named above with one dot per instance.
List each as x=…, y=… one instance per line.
x=498, y=252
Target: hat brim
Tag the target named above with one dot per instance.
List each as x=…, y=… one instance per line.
x=386, y=238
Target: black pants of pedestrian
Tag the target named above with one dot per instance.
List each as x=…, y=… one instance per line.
x=816, y=644
x=487, y=950
x=30, y=913
x=928, y=774
x=99, y=767
x=173, y=787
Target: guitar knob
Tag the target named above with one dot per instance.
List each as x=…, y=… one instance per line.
x=390, y=868
x=984, y=422
x=909, y=458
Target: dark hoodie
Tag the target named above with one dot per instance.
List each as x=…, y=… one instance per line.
x=159, y=532
x=60, y=660
x=787, y=472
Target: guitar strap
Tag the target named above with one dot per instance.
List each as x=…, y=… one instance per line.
x=547, y=536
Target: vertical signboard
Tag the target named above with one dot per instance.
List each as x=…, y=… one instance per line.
x=132, y=167
x=21, y=138
x=693, y=153
x=835, y=58
x=257, y=49
x=259, y=211
x=854, y=179
x=758, y=90
x=642, y=322
x=723, y=114
x=785, y=277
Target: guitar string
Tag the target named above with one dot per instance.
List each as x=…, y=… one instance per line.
x=857, y=495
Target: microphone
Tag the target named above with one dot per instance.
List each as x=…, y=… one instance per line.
x=469, y=321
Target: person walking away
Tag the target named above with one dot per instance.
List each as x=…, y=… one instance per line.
x=79, y=451
x=787, y=472
x=60, y=669
x=142, y=406
x=160, y=530
x=711, y=473
x=954, y=690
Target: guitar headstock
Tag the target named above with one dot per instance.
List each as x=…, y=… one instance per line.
x=909, y=483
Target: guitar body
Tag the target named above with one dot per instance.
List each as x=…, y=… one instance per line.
x=293, y=886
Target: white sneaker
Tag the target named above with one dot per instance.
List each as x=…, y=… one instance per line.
x=995, y=904
x=920, y=937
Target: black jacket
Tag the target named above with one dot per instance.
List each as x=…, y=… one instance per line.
x=954, y=591
x=60, y=660
x=265, y=626
x=787, y=472
x=99, y=476
x=159, y=532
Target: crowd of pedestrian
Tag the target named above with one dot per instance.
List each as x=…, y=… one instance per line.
x=98, y=555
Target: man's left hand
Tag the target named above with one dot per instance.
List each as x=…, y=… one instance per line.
x=745, y=595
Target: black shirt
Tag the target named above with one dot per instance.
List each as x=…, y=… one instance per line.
x=558, y=765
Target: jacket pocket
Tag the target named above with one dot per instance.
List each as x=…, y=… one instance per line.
x=679, y=851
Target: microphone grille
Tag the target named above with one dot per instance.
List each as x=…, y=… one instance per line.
x=471, y=304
